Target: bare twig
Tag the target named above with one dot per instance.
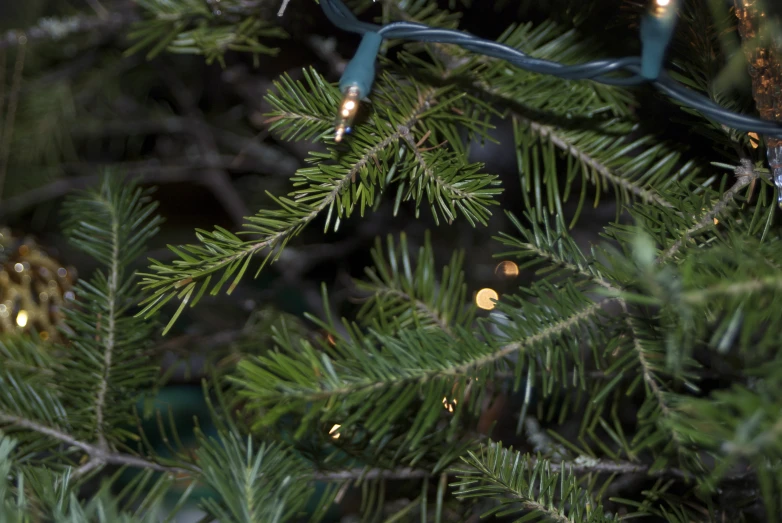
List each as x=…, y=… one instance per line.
x=369, y=474
x=745, y=175
x=215, y=178
x=326, y=49
x=96, y=453
x=145, y=172
x=13, y=102
x=55, y=29
x=580, y=466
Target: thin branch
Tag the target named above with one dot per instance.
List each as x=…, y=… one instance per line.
x=56, y=29
x=554, y=258
x=369, y=474
x=145, y=171
x=648, y=375
x=95, y=452
x=109, y=344
x=732, y=289
x=216, y=179
x=559, y=327
x=746, y=175
x=10, y=116
x=584, y=465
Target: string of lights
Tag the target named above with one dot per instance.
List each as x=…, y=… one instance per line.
x=656, y=32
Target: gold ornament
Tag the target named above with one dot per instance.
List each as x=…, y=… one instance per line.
x=762, y=38
x=33, y=288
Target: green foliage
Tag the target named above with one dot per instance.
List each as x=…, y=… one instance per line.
x=193, y=27
x=404, y=294
x=29, y=494
x=647, y=363
x=263, y=484
x=521, y=483
x=107, y=367
x=346, y=179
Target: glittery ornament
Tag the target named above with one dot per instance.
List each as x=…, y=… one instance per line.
x=757, y=24
x=33, y=288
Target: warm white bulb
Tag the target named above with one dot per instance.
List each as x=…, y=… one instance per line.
x=21, y=319
x=663, y=3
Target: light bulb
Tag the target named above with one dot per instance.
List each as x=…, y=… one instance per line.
x=347, y=112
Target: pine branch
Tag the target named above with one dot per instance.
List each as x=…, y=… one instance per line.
x=403, y=293
x=649, y=372
x=588, y=159
x=596, y=146
x=565, y=325
x=413, y=368
x=254, y=483
x=542, y=243
x=337, y=188
x=583, y=465
x=518, y=485
x=193, y=27
x=111, y=223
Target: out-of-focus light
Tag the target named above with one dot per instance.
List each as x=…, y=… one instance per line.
x=21, y=318
x=507, y=269
x=485, y=298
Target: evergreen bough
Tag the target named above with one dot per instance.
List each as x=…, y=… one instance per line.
x=689, y=271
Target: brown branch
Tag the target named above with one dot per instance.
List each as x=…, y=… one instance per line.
x=96, y=453
x=215, y=178
x=587, y=466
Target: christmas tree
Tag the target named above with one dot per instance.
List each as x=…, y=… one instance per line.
x=395, y=260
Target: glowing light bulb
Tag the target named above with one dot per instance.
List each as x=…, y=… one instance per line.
x=347, y=113
x=663, y=3
x=21, y=318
